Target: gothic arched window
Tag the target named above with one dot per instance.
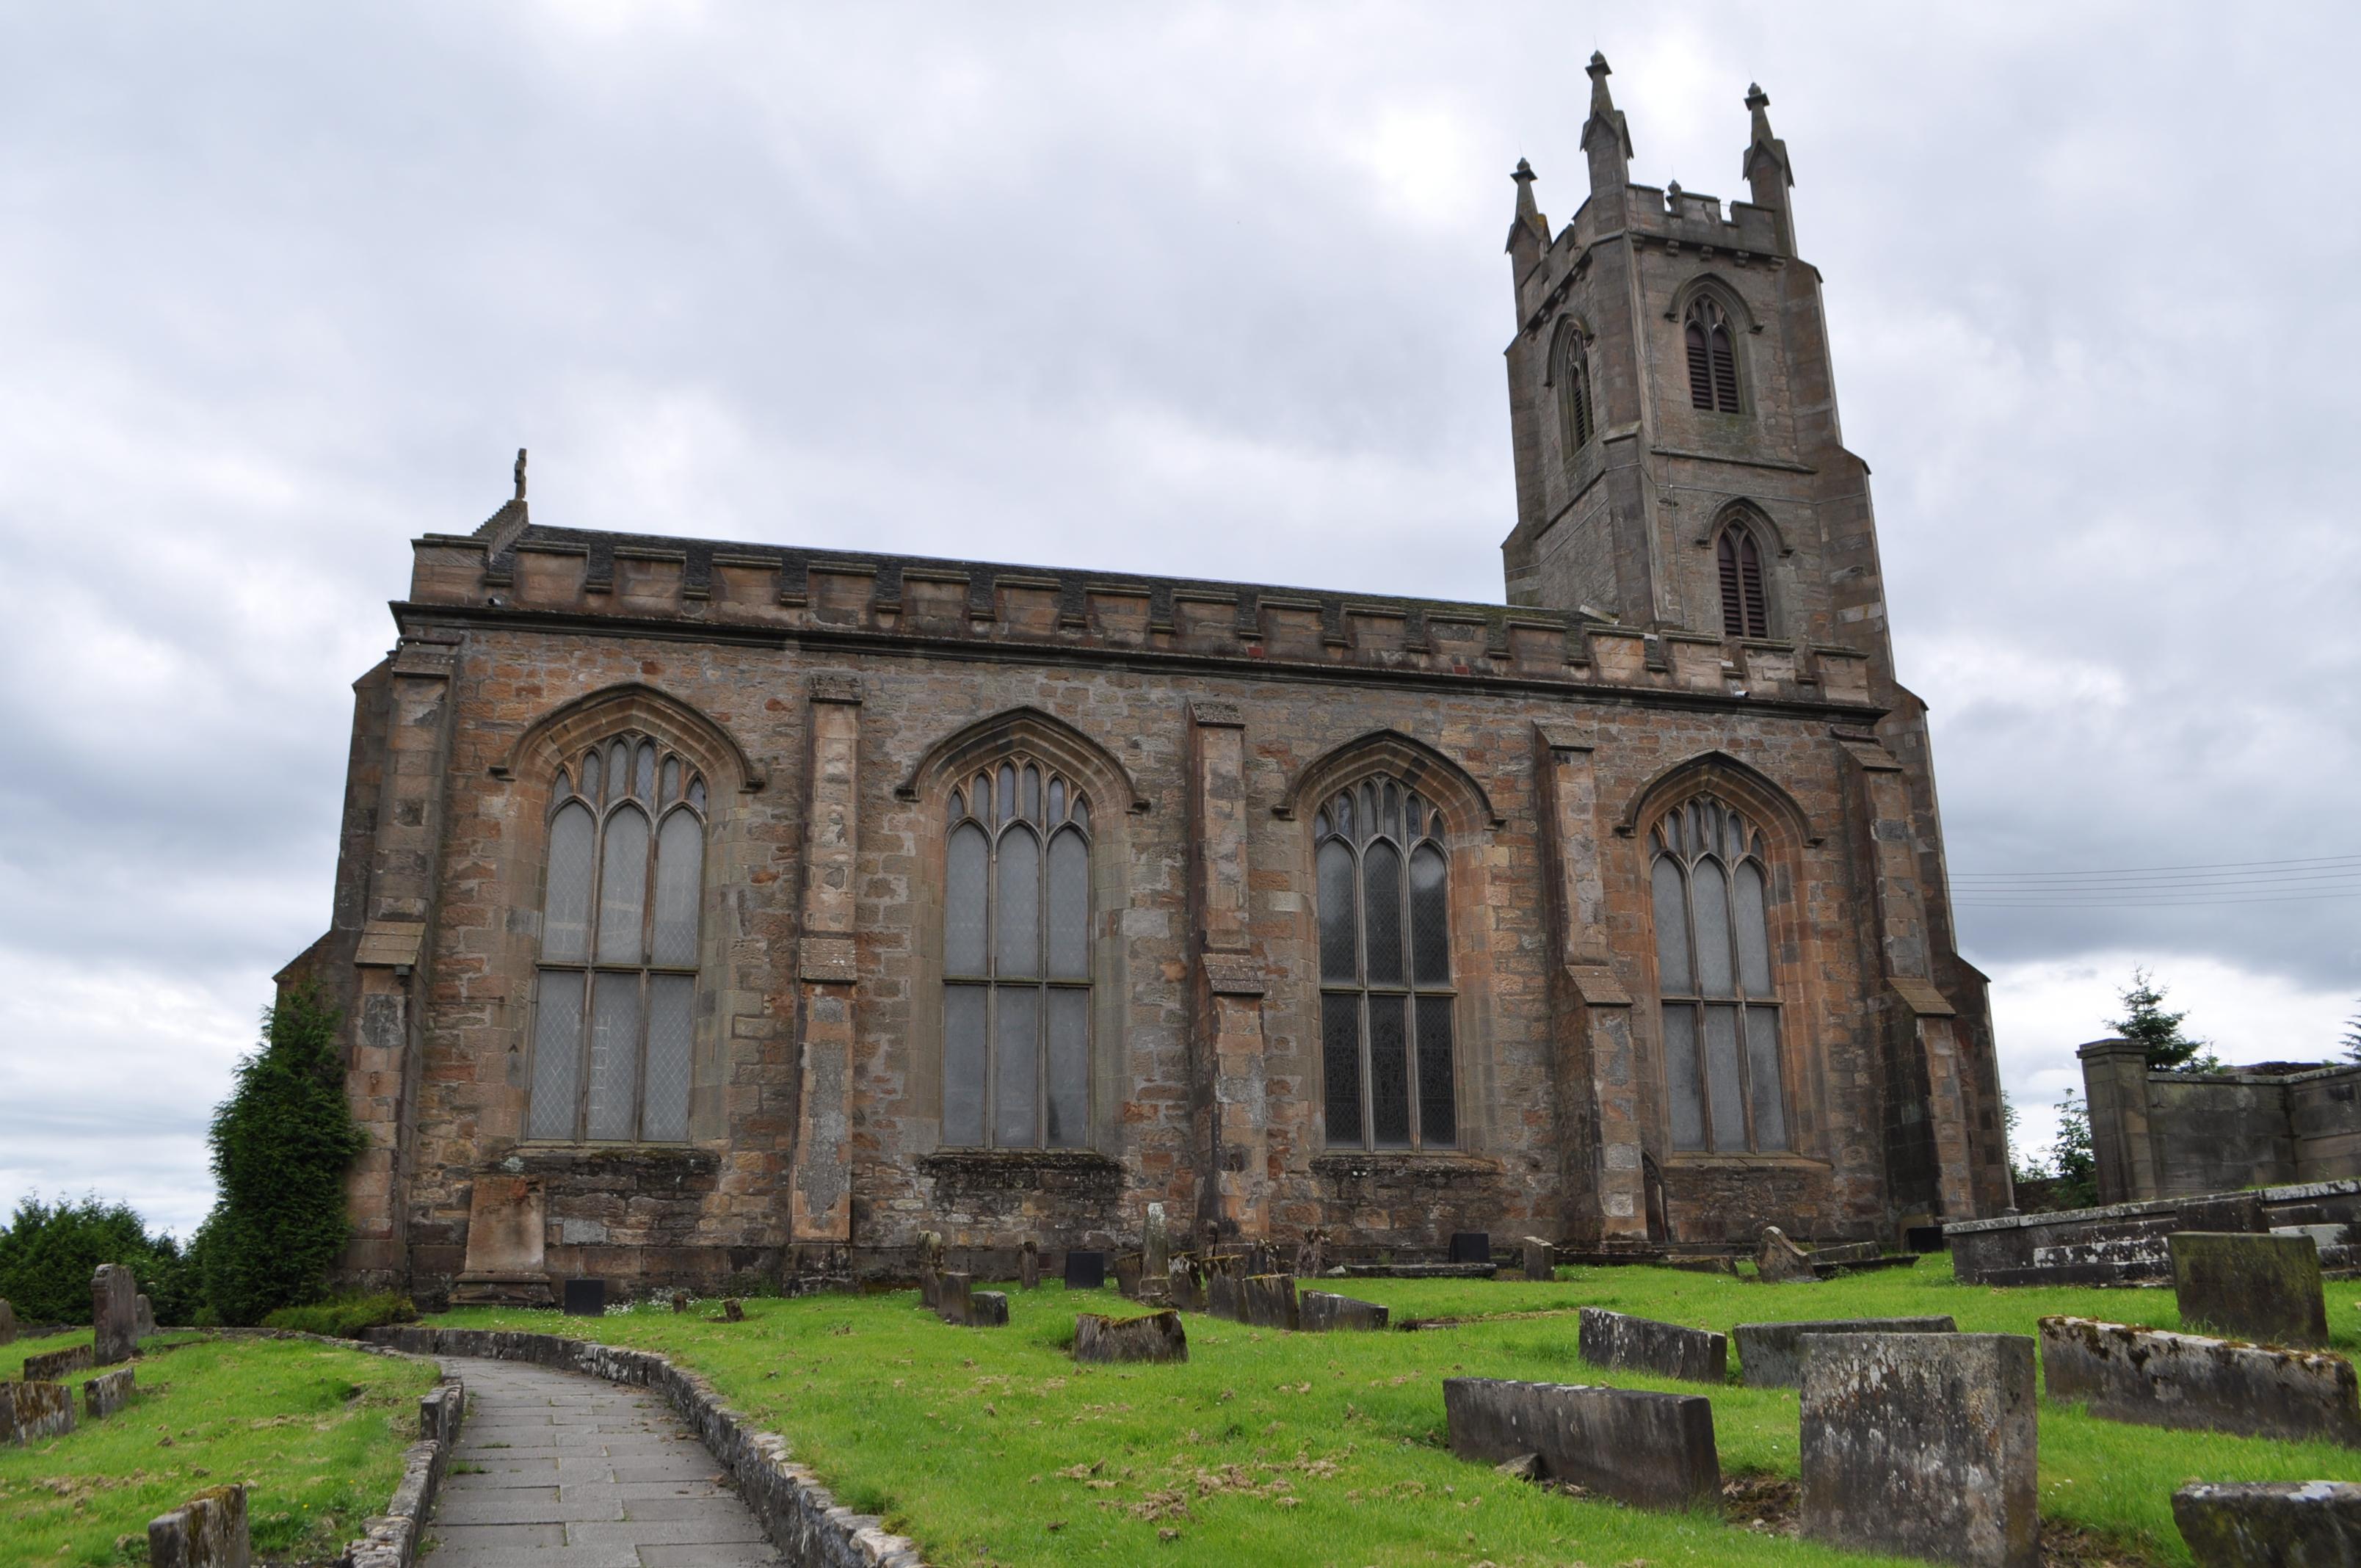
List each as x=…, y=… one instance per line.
x=1744, y=612
x=1713, y=977
x=614, y=1018
x=1573, y=377
x=1385, y=969
x=1713, y=357
x=1017, y=960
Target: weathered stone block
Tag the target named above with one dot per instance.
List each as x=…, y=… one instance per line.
x=958, y=1301
x=1158, y=1336
x=1268, y=1301
x=1184, y=1286
x=2233, y=1214
x=2162, y=1379
x=1922, y=1445
x=2261, y=1288
x=2270, y=1524
x=1541, y=1259
x=30, y=1410
x=1028, y=1265
x=733, y=1311
x=143, y=1317
x=209, y=1530
x=680, y=1301
x=108, y=1392
x=1222, y=1297
x=1771, y=1355
x=54, y=1365
x=1616, y=1339
x=1779, y=1261
x=113, y=1314
x=1126, y=1274
x=440, y=1411
x=987, y=1309
x=1654, y=1450
x=1318, y=1312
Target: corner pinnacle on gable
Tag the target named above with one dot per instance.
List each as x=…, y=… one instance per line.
x=1605, y=139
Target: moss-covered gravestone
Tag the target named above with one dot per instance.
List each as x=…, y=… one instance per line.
x=2261, y=1288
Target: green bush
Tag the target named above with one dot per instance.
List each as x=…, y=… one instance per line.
x=49, y=1251
x=281, y=1144
x=345, y=1317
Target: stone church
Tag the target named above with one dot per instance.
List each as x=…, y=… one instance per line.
x=711, y=909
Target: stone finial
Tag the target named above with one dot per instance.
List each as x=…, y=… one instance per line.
x=1765, y=166
x=1605, y=138
x=520, y=474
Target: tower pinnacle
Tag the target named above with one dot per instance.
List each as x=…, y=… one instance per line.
x=1606, y=140
x=1768, y=173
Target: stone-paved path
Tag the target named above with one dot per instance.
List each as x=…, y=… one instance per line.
x=559, y=1470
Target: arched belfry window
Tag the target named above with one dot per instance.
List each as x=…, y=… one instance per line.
x=1713, y=357
x=1714, y=978
x=1386, y=996
x=614, y=1017
x=1744, y=612
x=1017, y=960
x=1573, y=377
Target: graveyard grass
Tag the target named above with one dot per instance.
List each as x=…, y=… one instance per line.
x=992, y=1445
x=315, y=1431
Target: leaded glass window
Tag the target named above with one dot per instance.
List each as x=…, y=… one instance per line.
x=1385, y=996
x=615, y=993
x=1017, y=960
x=1720, y=1005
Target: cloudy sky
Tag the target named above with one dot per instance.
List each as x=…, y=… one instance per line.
x=1175, y=288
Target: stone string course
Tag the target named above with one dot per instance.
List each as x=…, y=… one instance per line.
x=800, y=1517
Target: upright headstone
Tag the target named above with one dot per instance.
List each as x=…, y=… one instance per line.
x=1541, y=1259
x=8, y=1323
x=680, y=1300
x=1155, y=1252
x=2295, y=1523
x=1186, y=1286
x=56, y=1364
x=1028, y=1265
x=1652, y=1450
x=1312, y=1255
x=30, y=1410
x=113, y=1314
x=1085, y=1270
x=953, y=1291
x=1923, y=1445
x=987, y=1309
x=1269, y=1300
x=585, y=1297
x=2261, y=1288
x=2234, y=1212
x=733, y=1311
x=1223, y=1297
x=1321, y=1311
x=1779, y=1261
x=2155, y=1378
x=931, y=1267
x=143, y=1317
x=1771, y=1355
x=1471, y=1246
x=1159, y=1336
x=1126, y=1274
x=209, y=1530
x=108, y=1392
x=1618, y=1339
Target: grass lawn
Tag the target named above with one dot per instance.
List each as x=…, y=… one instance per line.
x=991, y=1445
x=315, y=1432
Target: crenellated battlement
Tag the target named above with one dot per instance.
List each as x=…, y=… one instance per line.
x=650, y=585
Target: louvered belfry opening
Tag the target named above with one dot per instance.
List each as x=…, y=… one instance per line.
x=1713, y=359
x=1744, y=612
x=1574, y=392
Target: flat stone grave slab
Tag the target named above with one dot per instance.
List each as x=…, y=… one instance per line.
x=1771, y=1355
x=2297, y=1524
x=2266, y=1288
x=1922, y=1445
x=1616, y=1339
x=30, y=1410
x=1320, y=1312
x=1652, y=1450
x=2155, y=1378
x=1158, y=1336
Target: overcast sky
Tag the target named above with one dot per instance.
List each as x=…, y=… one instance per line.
x=1175, y=288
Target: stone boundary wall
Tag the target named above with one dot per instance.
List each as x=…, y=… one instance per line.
x=2165, y=1134
x=392, y=1538
x=1980, y=1248
x=799, y=1516
x=2156, y=1378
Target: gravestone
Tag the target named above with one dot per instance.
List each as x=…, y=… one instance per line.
x=1185, y=1286
x=2237, y=1214
x=1319, y=1312
x=1541, y=1259
x=1154, y=1253
x=1616, y=1339
x=30, y=1410
x=209, y=1530
x=1471, y=1246
x=114, y=1313
x=1924, y=1238
x=1126, y=1274
x=2154, y=1379
x=733, y=1311
x=1922, y=1445
x=1779, y=1261
x=1268, y=1301
x=143, y=1317
x=2261, y=1288
x=953, y=1291
x=8, y=1323
x=1222, y=1298
x=680, y=1301
x=1085, y=1270
x=508, y=1234
x=1158, y=1336
x=1028, y=1265
x=1771, y=1355
x=987, y=1309
x=931, y=1267
x=108, y=1392
x=1312, y=1254
x=2296, y=1524
x=1652, y=1450
x=585, y=1297
x=56, y=1364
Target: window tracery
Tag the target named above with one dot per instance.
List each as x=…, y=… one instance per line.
x=615, y=990
x=1016, y=960
x=1719, y=998
x=1385, y=993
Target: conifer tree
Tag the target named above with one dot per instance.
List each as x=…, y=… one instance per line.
x=2156, y=1031
x=281, y=1144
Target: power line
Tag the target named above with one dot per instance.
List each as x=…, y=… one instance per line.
x=2149, y=903
x=2198, y=866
